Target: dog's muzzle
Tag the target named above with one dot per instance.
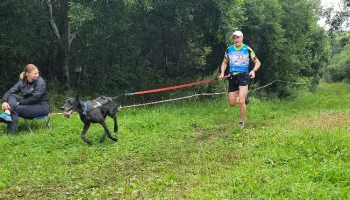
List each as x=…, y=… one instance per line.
x=69, y=113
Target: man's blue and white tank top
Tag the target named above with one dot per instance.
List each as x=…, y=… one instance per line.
x=239, y=58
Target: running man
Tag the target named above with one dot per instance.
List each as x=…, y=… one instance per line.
x=237, y=57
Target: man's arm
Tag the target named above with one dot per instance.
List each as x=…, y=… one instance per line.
x=223, y=68
x=256, y=67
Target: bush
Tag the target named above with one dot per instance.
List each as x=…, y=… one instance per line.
x=57, y=96
x=339, y=69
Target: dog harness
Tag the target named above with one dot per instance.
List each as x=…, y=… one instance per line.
x=99, y=102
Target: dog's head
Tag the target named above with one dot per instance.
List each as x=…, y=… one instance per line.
x=71, y=105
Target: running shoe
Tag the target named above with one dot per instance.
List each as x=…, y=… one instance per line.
x=6, y=117
x=241, y=123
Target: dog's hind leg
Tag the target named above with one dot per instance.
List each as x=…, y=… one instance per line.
x=83, y=134
x=103, y=137
x=115, y=139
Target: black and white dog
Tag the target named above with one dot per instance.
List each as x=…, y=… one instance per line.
x=93, y=111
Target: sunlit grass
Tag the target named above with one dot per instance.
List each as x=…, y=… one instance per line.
x=297, y=149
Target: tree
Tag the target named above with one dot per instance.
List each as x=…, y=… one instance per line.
x=118, y=46
x=338, y=19
x=63, y=38
x=24, y=39
x=339, y=69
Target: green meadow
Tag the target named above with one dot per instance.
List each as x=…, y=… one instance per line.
x=191, y=149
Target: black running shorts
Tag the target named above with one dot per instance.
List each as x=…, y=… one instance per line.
x=241, y=79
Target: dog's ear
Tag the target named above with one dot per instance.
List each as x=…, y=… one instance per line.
x=77, y=97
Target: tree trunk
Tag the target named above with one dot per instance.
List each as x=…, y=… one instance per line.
x=63, y=41
x=165, y=53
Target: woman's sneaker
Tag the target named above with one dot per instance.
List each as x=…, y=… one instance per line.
x=6, y=117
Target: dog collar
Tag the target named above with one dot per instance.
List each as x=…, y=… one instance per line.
x=85, y=108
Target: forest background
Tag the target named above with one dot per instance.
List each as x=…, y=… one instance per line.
x=95, y=47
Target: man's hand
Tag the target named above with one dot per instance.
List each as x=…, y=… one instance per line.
x=221, y=76
x=252, y=74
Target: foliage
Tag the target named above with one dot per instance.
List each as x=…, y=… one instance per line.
x=25, y=38
x=57, y=97
x=117, y=46
x=338, y=15
x=287, y=40
x=78, y=16
x=339, y=69
x=191, y=149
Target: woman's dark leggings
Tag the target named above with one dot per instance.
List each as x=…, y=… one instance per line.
x=24, y=111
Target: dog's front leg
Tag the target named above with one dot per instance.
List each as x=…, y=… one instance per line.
x=83, y=134
x=115, y=124
x=115, y=139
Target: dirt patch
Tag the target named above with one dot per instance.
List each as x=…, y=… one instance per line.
x=326, y=120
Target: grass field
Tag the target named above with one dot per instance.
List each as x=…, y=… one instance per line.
x=193, y=149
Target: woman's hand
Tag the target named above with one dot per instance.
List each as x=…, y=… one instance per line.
x=5, y=106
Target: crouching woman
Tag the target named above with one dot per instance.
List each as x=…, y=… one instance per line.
x=33, y=102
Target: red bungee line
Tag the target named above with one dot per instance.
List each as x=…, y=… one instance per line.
x=166, y=88
x=174, y=87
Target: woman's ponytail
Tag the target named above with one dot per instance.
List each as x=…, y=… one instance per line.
x=21, y=76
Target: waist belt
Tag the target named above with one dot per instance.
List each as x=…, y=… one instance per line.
x=236, y=73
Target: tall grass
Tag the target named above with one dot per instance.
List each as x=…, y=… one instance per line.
x=193, y=149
